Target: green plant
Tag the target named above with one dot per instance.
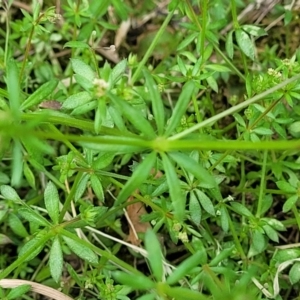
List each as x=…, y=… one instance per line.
x=152, y=141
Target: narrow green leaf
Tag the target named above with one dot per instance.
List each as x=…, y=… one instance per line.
x=245, y=43
x=276, y=224
x=239, y=119
x=188, y=40
x=180, y=293
x=254, y=30
x=18, y=291
x=17, y=164
x=82, y=109
x=223, y=255
x=205, y=202
x=157, y=104
x=117, y=118
x=229, y=44
x=217, y=68
x=241, y=209
x=40, y=94
x=29, y=175
x=286, y=254
x=81, y=250
x=262, y=131
x=181, y=65
x=31, y=216
x=138, y=177
x=286, y=187
x=56, y=260
x=271, y=233
x=83, y=69
x=147, y=297
x=17, y=226
x=97, y=187
x=258, y=241
x=101, y=115
x=32, y=248
x=85, y=83
x=103, y=160
x=9, y=193
x=117, y=72
x=75, y=276
x=76, y=44
x=289, y=203
x=224, y=218
x=190, y=165
x=116, y=148
x=77, y=100
x=181, y=106
x=51, y=199
x=81, y=187
x=195, y=208
x=139, y=282
x=177, y=197
x=294, y=273
x=13, y=87
x=134, y=116
x=155, y=257
x=184, y=268
x=212, y=83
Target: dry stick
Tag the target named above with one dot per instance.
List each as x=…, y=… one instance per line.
x=35, y=287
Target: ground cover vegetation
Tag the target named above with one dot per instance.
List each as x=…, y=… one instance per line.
x=149, y=149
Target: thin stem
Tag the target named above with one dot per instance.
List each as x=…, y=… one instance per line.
x=234, y=235
x=262, y=184
x=229, y=63
x=152, y=46
x=28, y=45
x=234, y=109
x=196, y=109
x=234, y=15
x=204, y=13
x=7, y=34
x=253, y=125
x=70, y=196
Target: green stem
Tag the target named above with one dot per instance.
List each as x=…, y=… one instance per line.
x=232, y=145
x=196, y=109
x=70, y=196
x=28, y=45
x=236, y=24
x=235, y=237
x=204, y=13
x=262, y=184
x=7, y=34
x=152, y=46
x=63, y=119
x=234, y=109
x=229, y=63
x=251, y=127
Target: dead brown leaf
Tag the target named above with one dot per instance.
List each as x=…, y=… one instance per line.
x=122, y=32
x=134, y=213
